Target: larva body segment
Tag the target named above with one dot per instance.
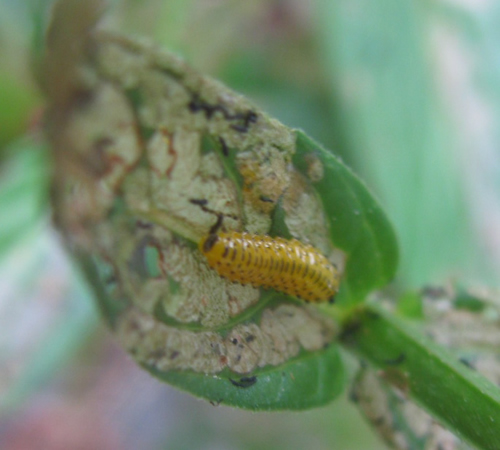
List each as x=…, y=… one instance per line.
x=285, y=265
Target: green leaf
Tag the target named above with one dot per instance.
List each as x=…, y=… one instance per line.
x=358, y=226
x=459, y=397
x=399, y=133
x=312, y=379
x=137, y=213
x=18, y=103
x=309, y=381
x=24, y=189
x=410, y=305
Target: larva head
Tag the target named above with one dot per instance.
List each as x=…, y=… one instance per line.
x=207, y=244
x=213, y=247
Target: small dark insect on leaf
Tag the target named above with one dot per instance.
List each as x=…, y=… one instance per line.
x=244, y=382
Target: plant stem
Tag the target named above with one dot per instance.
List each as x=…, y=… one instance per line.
x=456, y=395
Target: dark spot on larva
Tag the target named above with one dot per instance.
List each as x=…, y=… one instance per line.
x=317, y=278
x=226, y=251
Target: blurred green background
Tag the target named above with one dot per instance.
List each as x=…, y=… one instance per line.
x=406, y=92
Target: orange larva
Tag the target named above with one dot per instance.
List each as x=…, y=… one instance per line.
x=285, y=265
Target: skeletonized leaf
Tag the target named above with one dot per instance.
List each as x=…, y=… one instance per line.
x=149, y=156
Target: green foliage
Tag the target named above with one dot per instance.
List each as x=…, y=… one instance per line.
x=307, y=382
x=24, y=187
x=386, y=119
x=460, y=397
x=357, y=223
x=407, y=134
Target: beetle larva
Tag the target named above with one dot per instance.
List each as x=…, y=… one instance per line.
x=285, y=265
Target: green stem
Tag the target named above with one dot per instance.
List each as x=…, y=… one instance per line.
x=456, y=395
